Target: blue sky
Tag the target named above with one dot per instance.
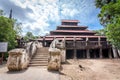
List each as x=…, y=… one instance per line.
x=42, y=16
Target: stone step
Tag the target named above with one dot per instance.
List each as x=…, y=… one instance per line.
x=42, y=53
x=37, y=64
x=39, y=59
x=42, y=50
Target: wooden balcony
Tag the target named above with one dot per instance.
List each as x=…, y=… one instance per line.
x=70, y=45
x=85, y=45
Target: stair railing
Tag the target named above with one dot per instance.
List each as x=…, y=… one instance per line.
x=56, y=50
x=19, y=58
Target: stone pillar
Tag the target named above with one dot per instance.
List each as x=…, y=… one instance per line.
x=75, y=54
x=63, y=52
x=119, y=52
x=75, y=51
x=88, y=53
x=100, y=53
x=114, y=51
x=87, y=50
x=99, y=41
x=109, y=53
x=100, y=50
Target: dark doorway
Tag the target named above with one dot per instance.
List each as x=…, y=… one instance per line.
x=81, y=54
x=69, y=54
x=94, y=53
x=91, y=53
x=105, y=53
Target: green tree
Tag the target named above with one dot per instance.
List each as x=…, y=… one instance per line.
x=28, y=36
x=7, y=33
x=100, y=32
x=110, y=18
x=113, y=32
x=101, y=3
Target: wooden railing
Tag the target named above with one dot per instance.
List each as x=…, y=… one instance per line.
x=70, y=44
x=105, y=44
x=86, y=44
x=80, y=44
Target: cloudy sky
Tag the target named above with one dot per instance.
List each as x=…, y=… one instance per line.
x=42, y=16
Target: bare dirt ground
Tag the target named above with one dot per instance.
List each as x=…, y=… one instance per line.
x=91, y=69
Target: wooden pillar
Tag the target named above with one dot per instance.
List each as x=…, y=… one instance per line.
x=100, y=50
x=75, y=51
x=100, y=53
x=87, y=50
x=109, y=53
x=43, y=41
x=65, y=41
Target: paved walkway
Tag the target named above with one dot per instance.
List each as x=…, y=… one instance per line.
x=32, y=73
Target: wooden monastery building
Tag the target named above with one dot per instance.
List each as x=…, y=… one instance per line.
x=80, y=42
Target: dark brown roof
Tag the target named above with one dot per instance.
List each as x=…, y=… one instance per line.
x=94, y=36
x=74, y=31
x=59, y=38
x=72, y=26
x=70, y=21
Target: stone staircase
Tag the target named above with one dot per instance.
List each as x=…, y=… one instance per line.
x=40, y=58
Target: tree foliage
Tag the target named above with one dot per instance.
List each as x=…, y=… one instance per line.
x=110, y=18
x=7, y=33
x=9, y=30
x=28, y=36
x=113, y=32
x=100, y=32
x=101, y=3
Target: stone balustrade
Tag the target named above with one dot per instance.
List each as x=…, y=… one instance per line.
x=56, y=55
x=19, y=58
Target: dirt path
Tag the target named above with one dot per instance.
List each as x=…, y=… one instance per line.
x=32, y=73
x=101, y=69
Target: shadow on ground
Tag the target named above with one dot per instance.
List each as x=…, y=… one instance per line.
x=16, y=72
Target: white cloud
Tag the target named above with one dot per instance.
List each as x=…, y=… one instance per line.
x=46, y=11
x=43, y=12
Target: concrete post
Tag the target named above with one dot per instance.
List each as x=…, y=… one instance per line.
x=75, y=52
x=100, y=53
x=99, y=41
x=114, y=52
x=100, y=50
x=87, y=51
x=119, y=52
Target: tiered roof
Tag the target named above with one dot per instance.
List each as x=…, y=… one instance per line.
x=70, y=29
